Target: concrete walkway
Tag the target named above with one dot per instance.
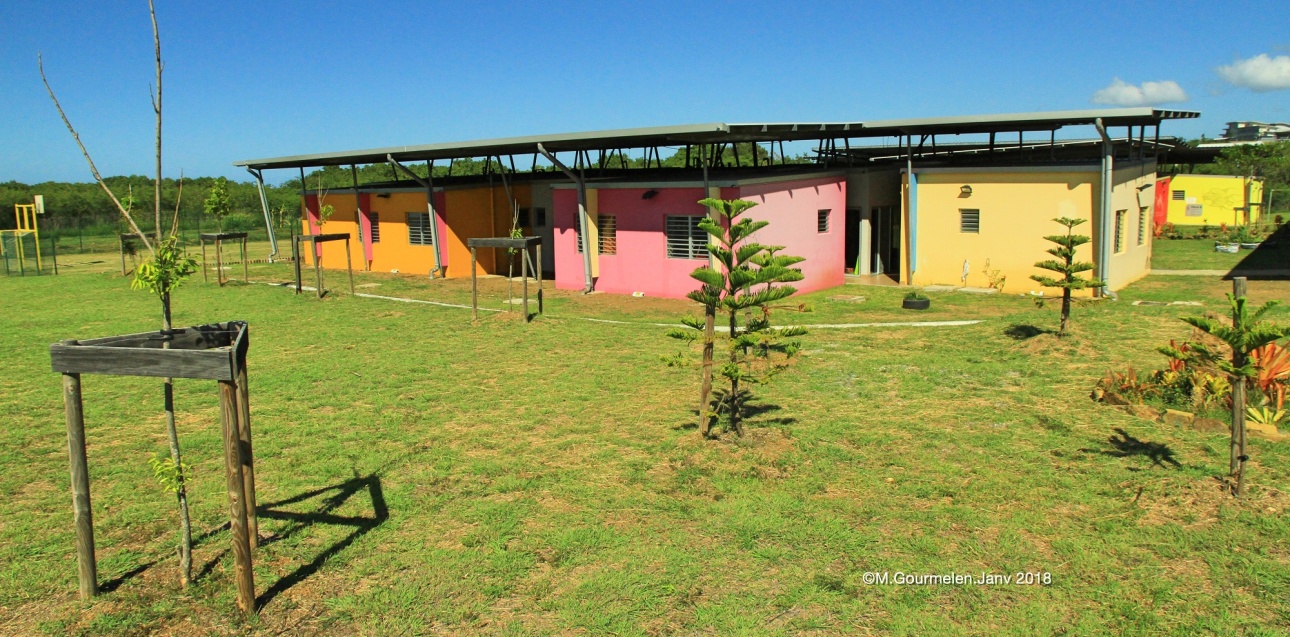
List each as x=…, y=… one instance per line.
x=819, y=326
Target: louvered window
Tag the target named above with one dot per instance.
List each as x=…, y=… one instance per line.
x=419, y=229
x=685, y=239
x=970, y=221
x=1179, y=195
x=375, y=219
x=606, y=234
x=822, y=221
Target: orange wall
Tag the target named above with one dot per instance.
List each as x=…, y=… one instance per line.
x=467, y=213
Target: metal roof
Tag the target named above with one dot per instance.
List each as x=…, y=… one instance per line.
x=725, y=133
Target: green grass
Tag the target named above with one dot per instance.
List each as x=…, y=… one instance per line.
x=547, y=478
x=1199, y=254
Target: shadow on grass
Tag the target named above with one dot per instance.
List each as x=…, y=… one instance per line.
x=751, y=413
x=332, y=498
x=1270, y=261
x=1124, y=445
x=116, y=582
x=1021, y=332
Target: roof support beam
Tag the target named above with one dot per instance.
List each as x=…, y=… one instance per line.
x=589, y=285
x=428, y=184
x=1104, y=208
x=264, y=205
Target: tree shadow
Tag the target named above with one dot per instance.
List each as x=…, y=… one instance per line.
x=1022, y=332
x=332, y=498
x=116, y=582
x=1268, y=261
x=1125, y=445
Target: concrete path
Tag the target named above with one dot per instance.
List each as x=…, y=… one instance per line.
x=819, y=326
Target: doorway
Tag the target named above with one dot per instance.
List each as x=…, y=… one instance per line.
x=884, y=241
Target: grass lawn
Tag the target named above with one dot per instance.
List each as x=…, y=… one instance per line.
x=422, y=474
x=1199, y=254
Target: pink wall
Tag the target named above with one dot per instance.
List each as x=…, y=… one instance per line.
x=792, y=210
x=641, y=263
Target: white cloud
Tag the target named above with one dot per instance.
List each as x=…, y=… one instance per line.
x=1121, y=93
x=1259, y=73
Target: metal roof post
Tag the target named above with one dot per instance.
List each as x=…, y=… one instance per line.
x=358, y=213
x=428, y=184
x=264, y=205
x=1104, y=223
x=589, y=286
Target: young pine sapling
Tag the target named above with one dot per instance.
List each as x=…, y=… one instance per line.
x=1067, y=267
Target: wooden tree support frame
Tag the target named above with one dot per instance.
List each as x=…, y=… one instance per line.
x=314, y=240
x=122, y=241
x=218, y=238
x=214, y=352
x=522, y=244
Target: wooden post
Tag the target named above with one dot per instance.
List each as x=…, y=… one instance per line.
x=246, y=278
x=295, y=257
x=86, y=567
x=1238, y=403
x=243, y=575
x=537, y=267
x=248, y=455
x=474, y=288
x=219, y=261
x=200, y=240
x=317, y=268
x=121, y=243
x=350, y=266
x=524, y=274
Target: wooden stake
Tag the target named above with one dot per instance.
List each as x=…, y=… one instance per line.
x=243, y=575
x=537, y=268
x=248, y=455
x=219, y=262
x=474, y=288
x=86, y=566
x=295, y=257
x=246, y=277
x=524, y=273
x=317, y=269
x=200, y=240
x=1238, y=403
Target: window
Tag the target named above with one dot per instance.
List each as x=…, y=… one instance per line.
x=685, y=239
x=524, y=218
x=606, y=234
x=539, y=217
x=1142, y=226
x=375, y=219
x=1179, y=195
x=970, y=221
x=1119, y=230
x=419, y=229
x=822, y=221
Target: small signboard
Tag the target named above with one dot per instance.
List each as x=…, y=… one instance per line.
x=1195, y=210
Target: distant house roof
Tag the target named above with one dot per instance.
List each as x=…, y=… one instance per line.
x=716, y=133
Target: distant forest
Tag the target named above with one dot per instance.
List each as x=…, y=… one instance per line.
x=85, y=209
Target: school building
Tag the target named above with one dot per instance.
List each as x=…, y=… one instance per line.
x=909, y=200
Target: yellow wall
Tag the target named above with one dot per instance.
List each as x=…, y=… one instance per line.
x=1133, y=191
x=1217, y=195
x=1017, y=209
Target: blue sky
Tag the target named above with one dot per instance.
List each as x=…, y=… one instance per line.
x=259, y=79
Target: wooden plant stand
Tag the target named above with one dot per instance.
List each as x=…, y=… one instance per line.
x=522, y=244
x=218, y=238
x=215, y=352
x=314, y=240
